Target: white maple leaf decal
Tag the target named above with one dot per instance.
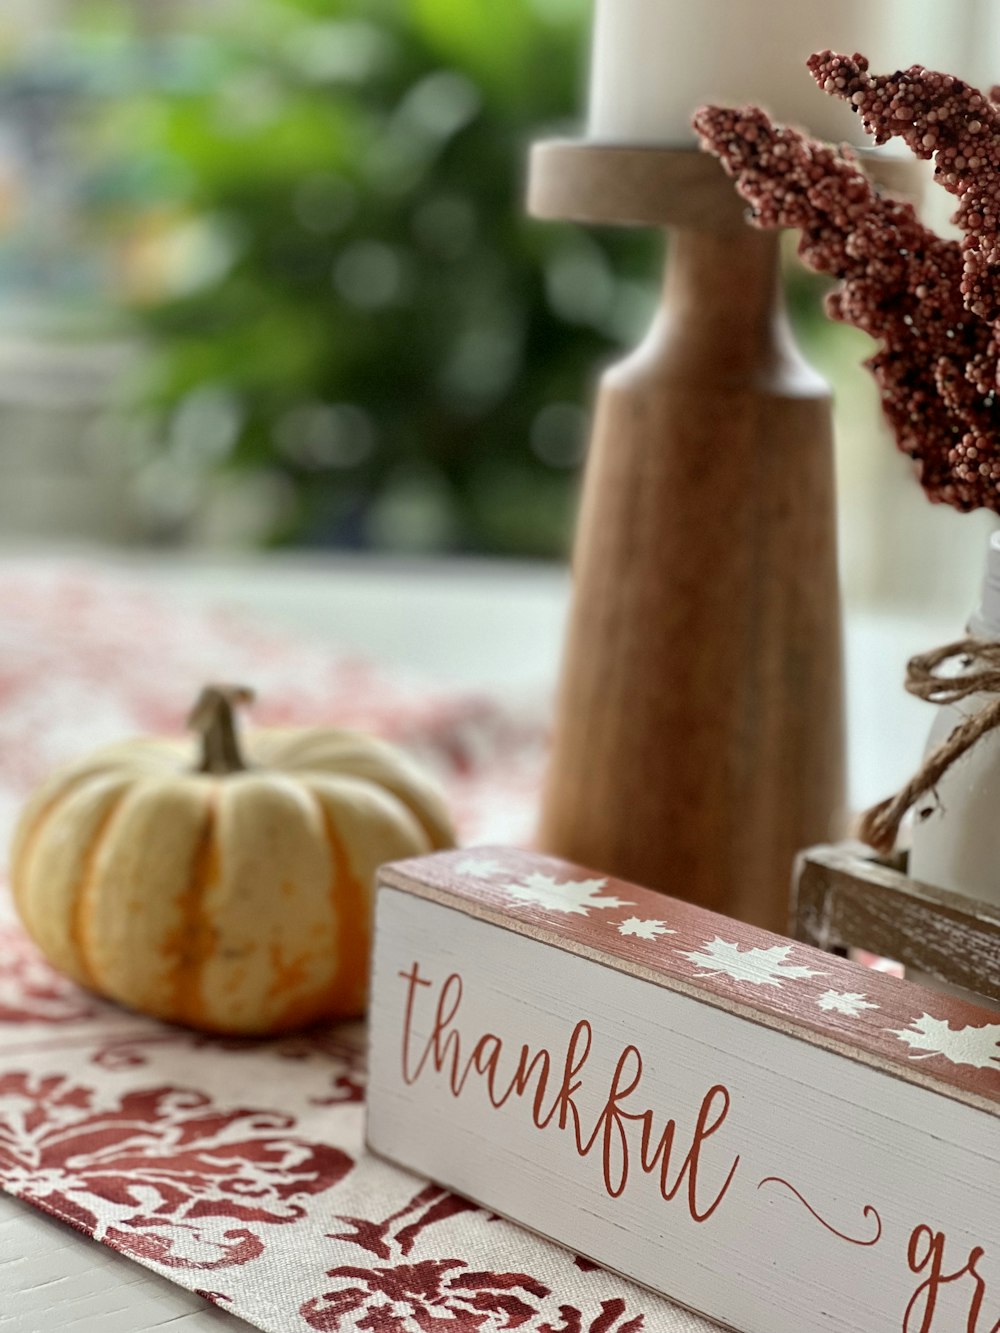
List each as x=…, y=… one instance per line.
x=979, y=1047
x=845, y=1002
x=575, y=896
x=479, y=867
x=644, y=930
x=759, y=967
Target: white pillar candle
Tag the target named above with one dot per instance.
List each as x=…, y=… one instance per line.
x=946, y=35
x=981, y=63
x=655, y=61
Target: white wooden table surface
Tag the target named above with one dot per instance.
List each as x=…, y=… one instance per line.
x=495, y=627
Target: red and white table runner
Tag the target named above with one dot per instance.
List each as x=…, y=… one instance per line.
x=236, y=1168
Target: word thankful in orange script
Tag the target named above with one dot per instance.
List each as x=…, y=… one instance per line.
x=550, y=1083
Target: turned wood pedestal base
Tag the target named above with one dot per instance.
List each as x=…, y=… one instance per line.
x=699, y=735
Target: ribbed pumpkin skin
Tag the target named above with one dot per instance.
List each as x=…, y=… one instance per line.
x=235, y=904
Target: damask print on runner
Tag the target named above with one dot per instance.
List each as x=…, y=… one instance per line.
x=138, y=1047
x=340, y=1051
x=345, y=1050
x=413, y=1295
x=152, y=1138
x=31, y=992
x=613, y=1318
x=161, y=1174
x=214, y=1297
x=433, y=1204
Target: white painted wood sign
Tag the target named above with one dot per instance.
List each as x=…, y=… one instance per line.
x=772, y=1136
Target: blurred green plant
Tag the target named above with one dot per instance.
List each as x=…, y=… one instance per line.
x=350, y=319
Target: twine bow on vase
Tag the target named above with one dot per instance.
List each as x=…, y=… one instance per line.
x=979, y=673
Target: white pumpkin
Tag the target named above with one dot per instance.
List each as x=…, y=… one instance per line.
x=231, y=894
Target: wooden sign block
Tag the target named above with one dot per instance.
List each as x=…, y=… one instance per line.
x=770, y=1135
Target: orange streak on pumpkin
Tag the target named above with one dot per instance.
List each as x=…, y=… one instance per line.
x=82, y=906
x=350, y=903
x=193, y=942
x=352, y=906
x=288, y=973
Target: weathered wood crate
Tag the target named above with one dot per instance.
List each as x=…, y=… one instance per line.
x=845, y=897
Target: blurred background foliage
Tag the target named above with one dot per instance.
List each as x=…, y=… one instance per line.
x=306, y=218
x=344, y=302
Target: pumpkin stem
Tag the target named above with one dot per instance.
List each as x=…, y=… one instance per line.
x=214, y=719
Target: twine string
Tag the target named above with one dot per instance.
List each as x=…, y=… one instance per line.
x=979, y=673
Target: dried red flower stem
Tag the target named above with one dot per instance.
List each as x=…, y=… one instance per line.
x=937, y=116
x=920, y=296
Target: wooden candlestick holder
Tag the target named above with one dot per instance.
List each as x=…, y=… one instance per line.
x=699, y=735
